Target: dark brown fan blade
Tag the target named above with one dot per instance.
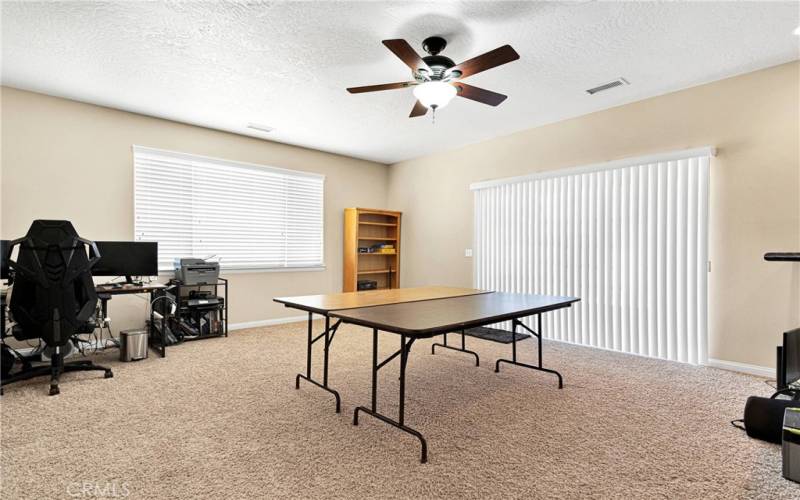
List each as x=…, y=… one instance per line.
x=479, y=94
x=403, y=50
x=383, y=86
x=418, y=110
x=489, y=60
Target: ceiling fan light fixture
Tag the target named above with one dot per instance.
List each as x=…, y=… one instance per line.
x=435, y=94
x=437, y=79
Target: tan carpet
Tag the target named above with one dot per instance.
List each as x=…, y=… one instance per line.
x=221, y=419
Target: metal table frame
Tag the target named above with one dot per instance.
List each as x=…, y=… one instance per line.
x=407, y=341
x=332, y=324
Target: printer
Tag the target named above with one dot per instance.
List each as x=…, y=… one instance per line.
x=191, y=271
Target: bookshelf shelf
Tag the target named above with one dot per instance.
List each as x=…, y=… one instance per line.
x=367, y=227
x=377, y=271
x=383, y=224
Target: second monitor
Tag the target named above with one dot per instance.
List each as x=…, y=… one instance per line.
x=127, y=258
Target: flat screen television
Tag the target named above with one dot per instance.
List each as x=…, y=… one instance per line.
x=789, y=360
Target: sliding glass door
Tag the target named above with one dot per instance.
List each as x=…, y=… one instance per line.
x=628, y=237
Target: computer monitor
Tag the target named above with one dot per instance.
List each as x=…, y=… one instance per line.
x=126, y=258
x=789, y=359
x=4, y=270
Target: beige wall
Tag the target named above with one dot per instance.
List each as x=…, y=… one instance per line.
x=53, y=149
x=752, y=119
x=63, y=159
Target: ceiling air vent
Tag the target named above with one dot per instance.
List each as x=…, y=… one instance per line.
x=260, y=128
x=619, y=82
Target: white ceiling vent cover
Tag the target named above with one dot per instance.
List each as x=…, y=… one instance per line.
x=261, y=128
x=619, y=82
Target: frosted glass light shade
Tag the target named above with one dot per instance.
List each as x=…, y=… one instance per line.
x=436, y=94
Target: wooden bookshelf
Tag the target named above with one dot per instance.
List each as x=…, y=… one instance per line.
x=365, y=227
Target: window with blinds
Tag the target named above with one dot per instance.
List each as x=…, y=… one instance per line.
x=627, y=237
x=251, y=217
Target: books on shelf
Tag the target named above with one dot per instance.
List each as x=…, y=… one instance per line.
x=384, y=248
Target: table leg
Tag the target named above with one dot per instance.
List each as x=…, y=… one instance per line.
x=163, y=334
x=405, y=347
x=513, y=361
x=325, y=351
x=461, y=349
x=328, y=335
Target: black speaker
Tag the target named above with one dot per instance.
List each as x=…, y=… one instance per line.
x=367, y=285
x=763, y=417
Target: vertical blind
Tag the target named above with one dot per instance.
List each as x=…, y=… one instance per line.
x=248, y=216
x=627, y=237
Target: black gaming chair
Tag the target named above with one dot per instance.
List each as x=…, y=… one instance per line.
x=53, y=296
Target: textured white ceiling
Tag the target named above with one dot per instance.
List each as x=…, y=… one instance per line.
x=287, y=64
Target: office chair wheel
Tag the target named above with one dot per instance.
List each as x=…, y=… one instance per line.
x=109, y=374
x=54, y=390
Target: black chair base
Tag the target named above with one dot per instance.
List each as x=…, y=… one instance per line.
x=55, y=371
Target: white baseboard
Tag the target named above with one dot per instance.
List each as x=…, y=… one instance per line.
x=266, y=322
x=759, y=371
x=734, y=366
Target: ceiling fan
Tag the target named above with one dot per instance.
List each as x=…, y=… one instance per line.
x=437, y=79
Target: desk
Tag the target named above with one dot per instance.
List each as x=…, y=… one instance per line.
x=414, y=313
x=105, y=292
x=129, y=289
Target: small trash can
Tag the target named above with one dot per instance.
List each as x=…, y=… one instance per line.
x=132, y=345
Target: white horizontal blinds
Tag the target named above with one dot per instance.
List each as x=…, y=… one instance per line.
x=163, y=211
x=250, y=217
x=628, y=239
x=304, y=222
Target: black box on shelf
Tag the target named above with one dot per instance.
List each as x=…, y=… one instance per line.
x=367, y=285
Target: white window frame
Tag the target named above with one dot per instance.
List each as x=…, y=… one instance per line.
x=191, y=160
